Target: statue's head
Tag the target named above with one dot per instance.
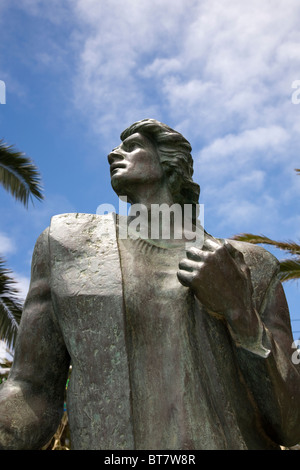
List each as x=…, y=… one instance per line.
x=173, y=155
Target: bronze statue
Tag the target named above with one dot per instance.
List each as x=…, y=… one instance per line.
x=171, y=347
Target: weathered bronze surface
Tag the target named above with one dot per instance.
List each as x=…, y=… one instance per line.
x=171, y=347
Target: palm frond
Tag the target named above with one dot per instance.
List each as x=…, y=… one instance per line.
x=289, y=269
x=10, y=307
x=18, y=175
x=290, y=246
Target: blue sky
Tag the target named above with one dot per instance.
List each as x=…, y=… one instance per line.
x=78, y=72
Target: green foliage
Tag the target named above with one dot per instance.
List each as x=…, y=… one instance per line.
x=289, y=269
x=18, y=175
x=10, y=307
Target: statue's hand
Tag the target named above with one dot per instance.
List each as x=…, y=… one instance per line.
x=221, y=281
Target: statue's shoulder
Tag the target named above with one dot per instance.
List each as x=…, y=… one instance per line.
x=256, y=256
x=73, y=218
x=72, y=228
x=77, y=220
x=264, y=267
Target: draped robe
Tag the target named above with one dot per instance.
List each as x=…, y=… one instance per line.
x=151, y=368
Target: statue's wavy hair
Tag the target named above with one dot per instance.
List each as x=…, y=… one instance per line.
x=175, y=157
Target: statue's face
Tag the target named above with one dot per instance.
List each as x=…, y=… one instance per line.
x=134, y=163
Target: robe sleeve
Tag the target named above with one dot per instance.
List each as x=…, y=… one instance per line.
x=272, y=375
x=31, y=400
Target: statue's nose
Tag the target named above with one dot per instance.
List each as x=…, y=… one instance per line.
x=115, y=155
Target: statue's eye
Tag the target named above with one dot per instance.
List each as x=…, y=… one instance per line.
x=132, y=146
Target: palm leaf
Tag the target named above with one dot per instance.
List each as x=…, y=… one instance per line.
x=10, y=307
x=289, y=269
x=290, y=246
x=18, y=175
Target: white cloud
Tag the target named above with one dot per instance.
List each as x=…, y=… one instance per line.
x=7, y=245
x=57, y=12
x=213, y=68
x=232, y=215
x=219, y=72
x=118, y=37
x=22, y=284
x=235, y=148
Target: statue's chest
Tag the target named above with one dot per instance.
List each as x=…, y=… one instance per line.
x=86, y=283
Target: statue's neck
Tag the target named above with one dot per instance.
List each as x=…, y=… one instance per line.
x=159, y=224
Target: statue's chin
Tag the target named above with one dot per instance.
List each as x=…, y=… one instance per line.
x=115, y=183
x=118, y=187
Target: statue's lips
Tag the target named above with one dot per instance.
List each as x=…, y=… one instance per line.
x=116, y=166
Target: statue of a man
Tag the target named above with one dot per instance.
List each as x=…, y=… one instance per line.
x=171, y=347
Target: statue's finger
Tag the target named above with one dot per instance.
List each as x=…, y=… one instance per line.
x=189, y=265
x=194, y=253
x=211, y=245
x=185, y=277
